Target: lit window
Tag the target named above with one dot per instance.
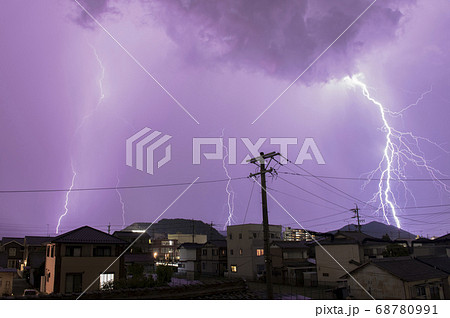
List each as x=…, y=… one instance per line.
x=233, y=268
x=106, y=280
x=259, y=252
x=241, y=251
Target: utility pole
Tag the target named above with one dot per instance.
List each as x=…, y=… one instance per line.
x=356, y=211
x=109, y=228
x=193, y=231
x=267, y=257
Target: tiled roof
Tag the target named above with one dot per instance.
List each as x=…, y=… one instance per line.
x=290, y=244
x=405, y=268
x=440, y=262
x=190, y=245
x=218, y=243
x=37, y=240
x=7, y=240
x=7, y=270
x=87, y=235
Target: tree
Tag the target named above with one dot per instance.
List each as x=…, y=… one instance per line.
x=394, y=250
x=164, y=274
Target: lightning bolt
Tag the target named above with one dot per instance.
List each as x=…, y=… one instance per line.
x=66, y=204
x=400, y=149
x=228, y=188
x=122, y=203
x=82, y=123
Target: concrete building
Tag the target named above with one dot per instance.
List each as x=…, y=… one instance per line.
x=245, y=249
x=6, y=280
x=189, y=262
x=214, y=258
x=75, y=259
x=350, y=249
x=396, y=278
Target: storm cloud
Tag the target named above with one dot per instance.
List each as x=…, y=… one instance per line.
x=277, y=38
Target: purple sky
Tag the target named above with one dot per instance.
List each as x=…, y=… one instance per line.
x=225, y=61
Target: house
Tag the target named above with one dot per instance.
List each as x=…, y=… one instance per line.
x=245, y=249
x=6, y=281
x=441, y=263
x=290, y=262
x=13, y=249
x=435, y=247
x=34, y=257
x=396, y=278
x=214, y=258
x=75, y=260
x=165, y=251
x=350, y=250
x=189, y=262
x=141, y=241
x=142, y=259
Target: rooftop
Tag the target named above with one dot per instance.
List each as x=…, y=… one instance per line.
x=405, y=268
x=87, y=235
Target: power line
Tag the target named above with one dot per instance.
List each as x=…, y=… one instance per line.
x=119, y=188
x=313, y=194
x=365, y=179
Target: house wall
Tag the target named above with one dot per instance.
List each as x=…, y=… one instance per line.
x=50, y=271
x=380, y=284
x=249, y=265
x=213, y=260
x=58, y=266
x=6, y=283
x=328, y=271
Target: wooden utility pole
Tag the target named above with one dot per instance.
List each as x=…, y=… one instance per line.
x=267, y=257
x=356, y=211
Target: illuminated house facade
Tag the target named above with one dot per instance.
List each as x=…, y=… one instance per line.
x=245, y=249
x=76, y=259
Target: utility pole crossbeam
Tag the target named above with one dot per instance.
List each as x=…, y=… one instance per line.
x=356, y=211
x=267, y=257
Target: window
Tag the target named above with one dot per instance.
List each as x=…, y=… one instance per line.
x=272, y=235
x=420, y=291
x=259, y=252
x=74, y=283
x=241, y=251
x=203, y=266
x=12, y=251
x=52, y=251
x=254, y=235
x=325, y=274
x=214, y=252
x=240, y=235
x=73, y=251
x=204, y=252
x=223, y=252
x=233, y=268
x=1, y=283
x=102, y=251
x=230, y=236
x=48, y=251
x=231, y=252
x=106, y=280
